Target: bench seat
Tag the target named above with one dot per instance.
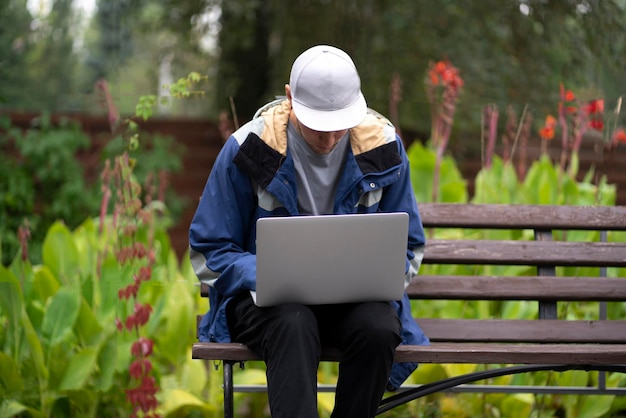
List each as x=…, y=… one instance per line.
x=449, y=352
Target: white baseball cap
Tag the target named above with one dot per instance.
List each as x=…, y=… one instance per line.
x=326, y=90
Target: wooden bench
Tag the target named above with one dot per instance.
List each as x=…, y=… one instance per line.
x=545, y=342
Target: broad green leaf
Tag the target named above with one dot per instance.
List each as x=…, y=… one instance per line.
x=86, y=241
x=571, y=195
x=81, y=366
x=59, y=252
x=250, y=376
x=87, y=327
x=180, y=403
x=574, y=164
x=107, y=359
x=518, y=405
x=426, y=373
x=123, y=354
x=325, y=401
x=11, y=300
x=11, y=408
x=573, y=378
x=113, y=278
x=23, y=271
x=34, y=346
x=176, y=334
x=594, y=406
x=193, y=378
x=61, y=315
x=83, y=401
x=45, y=284
x=510, y=183
x=10, y=379
x=459, y=369
x=422, y=163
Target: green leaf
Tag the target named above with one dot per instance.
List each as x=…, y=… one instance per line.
x=193, y=378
x=34, y=346
x=23, y=271
x=11, y=301
x=518, y=405
x=10, y=408
x=61, y=315
x=113, y=277
x=87, y=327
x=180, y=403
x=86, y=238
x=80, y=368
x=175, y=335
x=45, y=284
x=422, y=163
x=10, y=379
x=107, y=359
x=60, y=254
x=595, y=406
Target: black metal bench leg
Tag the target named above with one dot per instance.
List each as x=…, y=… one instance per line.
x=229, y=402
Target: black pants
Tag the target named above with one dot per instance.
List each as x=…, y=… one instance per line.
x=289, y=339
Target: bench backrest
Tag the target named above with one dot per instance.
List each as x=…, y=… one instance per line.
x=549, y=241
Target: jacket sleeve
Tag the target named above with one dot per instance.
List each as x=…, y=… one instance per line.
x=219, y=235
x=399, y=197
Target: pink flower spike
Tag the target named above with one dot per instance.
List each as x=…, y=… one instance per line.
x=142, y=347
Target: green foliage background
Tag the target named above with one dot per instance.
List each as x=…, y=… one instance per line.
x=509, y=52
x=42, y=180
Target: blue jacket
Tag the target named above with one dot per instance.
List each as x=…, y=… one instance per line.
x=254, y=177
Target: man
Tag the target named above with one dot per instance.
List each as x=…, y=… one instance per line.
x=319, y=151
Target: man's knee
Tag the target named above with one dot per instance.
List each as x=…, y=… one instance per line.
x=377, y=323
x=294, y=319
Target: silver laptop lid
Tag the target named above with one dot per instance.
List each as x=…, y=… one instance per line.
x=331, y=258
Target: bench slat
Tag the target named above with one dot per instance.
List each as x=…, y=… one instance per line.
x=467, y=353
x=492, y=353
x=518, y=288
x=511, y=288
x=536, y=253
x=523, y=216
x=532, y=331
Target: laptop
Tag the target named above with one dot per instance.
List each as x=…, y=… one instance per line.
x=331, y=259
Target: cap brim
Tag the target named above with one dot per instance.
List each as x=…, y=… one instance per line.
x=331, y=120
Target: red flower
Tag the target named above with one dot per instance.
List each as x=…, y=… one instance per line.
x=130, y=322
x=142, y=397
x=139, y=368
x=619, y=136
x=129, y=291
x=144, y=274
x=433, y=78
x=445, y=73
x=142, y=347
x=596, y=124
x=547, y=131
x=595, y=106
x=142, y=314
x=566, y=95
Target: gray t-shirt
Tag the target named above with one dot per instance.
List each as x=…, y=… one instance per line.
x=317, y=175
